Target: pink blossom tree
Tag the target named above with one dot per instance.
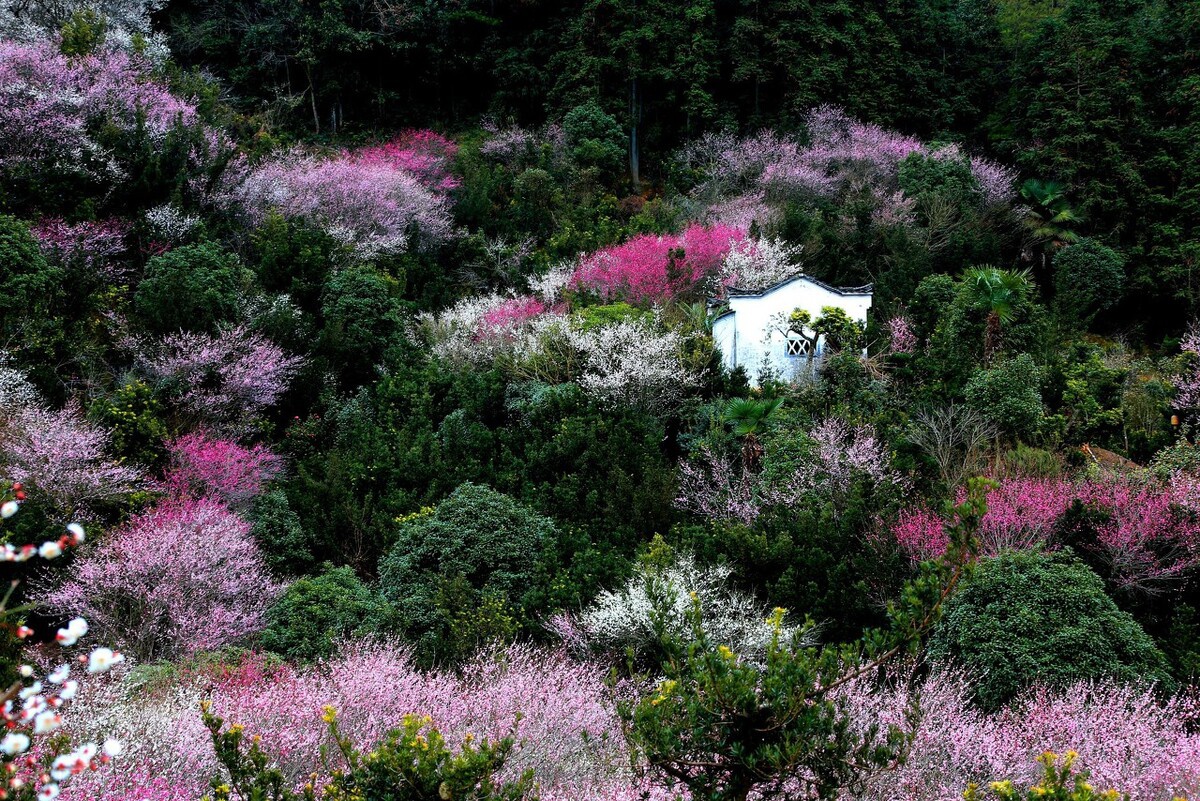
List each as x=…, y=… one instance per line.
x=51, y=104
x=202, y=467
x=182, y=578
x=92, y=245
x=224, y=382
x=62, y=457
x=1126, y=737
x=369, y=200
x=424, y=153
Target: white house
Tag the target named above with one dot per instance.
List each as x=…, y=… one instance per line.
x=748, y=330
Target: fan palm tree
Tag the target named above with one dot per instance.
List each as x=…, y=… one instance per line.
x=999, y=293
x=1049, y=217
x=748, y=417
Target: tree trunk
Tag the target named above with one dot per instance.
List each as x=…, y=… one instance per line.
x=635, y=113
x=991, y=337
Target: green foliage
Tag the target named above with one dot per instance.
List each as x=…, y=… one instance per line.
x=1057, y=784
x=32, y=285
x=1008, y=395
x=362, y=318
x=483, y=542
x=594, y=138
x=276, y=527
x=190, y=288
x=294, y=258
x=134, y=416
x=414, y=763
x=1033, y=618
x=315, y=612
x=83, y=33
x=1089, y=278
x=841, y=333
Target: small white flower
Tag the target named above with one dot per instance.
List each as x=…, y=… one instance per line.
x=59, y=674
x=76, y=531
x=69, y=690
x=79, y=626
x=102, y=659
x=48, y=792
x=61, y=767
x=14, y=743
x=9, y=509
x=46, y=722
x=31, y=690
x=50, y=550
x=25, y=670
x=112, y=747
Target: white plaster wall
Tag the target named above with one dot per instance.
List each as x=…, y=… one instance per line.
x=746, y=339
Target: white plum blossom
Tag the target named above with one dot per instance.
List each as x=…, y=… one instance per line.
x=102, y=659
x=8, y=509
x=15, y=743
x=759, y=264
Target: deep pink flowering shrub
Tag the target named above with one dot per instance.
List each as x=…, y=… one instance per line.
x=182, y=578
x=225, y=382
x=50, y=105
x=425, y=154
x=202, y=467
x=655, y=269
x=1149, y=533
x=510, y=314
x=62, y=457
x=368, y=200
x=1124, y=736
x=92, y=245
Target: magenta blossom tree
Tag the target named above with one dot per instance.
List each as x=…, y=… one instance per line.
x=655, y=269
x=211, y=467
x=1147, y=533
x=182, y=578
x=426, y=154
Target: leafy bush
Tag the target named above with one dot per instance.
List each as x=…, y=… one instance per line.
x=1088, y=278
x=276, y=527
x=1008, y=395
x=477, y=535
x=314, y=613
x=1026, y=618
x=190, y=288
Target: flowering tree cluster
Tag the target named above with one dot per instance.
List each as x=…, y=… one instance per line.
x=556, y=708
x=60, y=453
x=1188, y=383
x=515, y=146
x=182, y=578
x=424, y=153
x=370, y=200
x=654, y=269
x=224, y=381
x=91, y=245
x=1125, y=737
x=219, y=468
x=714, y=487
x=843, y=160
x=1146, y=532
x=634, y=360
x=51, y=106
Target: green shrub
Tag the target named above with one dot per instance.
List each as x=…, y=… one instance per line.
x=277, y=529
x=1008, y=395
x=1033, y=618
x=1088, y=279
x=190, y=288
x=482, y=541
x=314, y=613
x=361, y=319
x=31, y=284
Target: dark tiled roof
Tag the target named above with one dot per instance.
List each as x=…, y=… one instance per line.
x=845, y=290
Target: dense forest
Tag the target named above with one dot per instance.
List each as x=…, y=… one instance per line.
x=368, y=430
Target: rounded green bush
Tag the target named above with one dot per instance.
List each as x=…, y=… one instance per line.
x=315, y=612
x=1026, y=618
x=190, y=288
x=477, y=542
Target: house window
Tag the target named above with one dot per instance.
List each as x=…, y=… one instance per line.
x=797, y=345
